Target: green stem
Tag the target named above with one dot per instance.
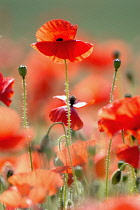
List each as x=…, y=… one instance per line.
x=68, y=137
x=133, y=180
x=113, y=86
x=57, y=123
x=25, y=124
x=110, y=142
x=67, y=103
x=107, y=168
x=123, y=139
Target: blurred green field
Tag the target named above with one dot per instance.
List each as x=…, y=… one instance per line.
x=102, y=19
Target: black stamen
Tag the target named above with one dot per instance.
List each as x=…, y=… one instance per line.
x=59, y=39
x=72, y=100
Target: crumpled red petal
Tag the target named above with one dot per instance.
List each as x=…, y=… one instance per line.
x=71, y=50
x=129, y=154
x=56, y=29
x=60, y=115
x=6, y=89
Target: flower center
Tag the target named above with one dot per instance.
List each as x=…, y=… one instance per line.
x=72, y=100
x=59, y=39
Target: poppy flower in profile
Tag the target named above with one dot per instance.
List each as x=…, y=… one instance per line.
x=31, y=188
x=78, y=151
x=123, y=114
x=22, y=197
x=129, y=154
x=56, y=40
x=47, y=179
x=6, y=89
x=59, y=114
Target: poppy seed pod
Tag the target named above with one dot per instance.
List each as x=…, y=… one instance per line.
x=116, y=177
x=22, y=70
x=117, y=63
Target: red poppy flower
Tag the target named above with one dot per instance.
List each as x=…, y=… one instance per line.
x=60, y=114
x=125, y=203
x=129, y=154
x=121, y=114
x=23, y=197
x=78, y=151
x=6, y=89
x=11, y=136
x=56, y=40
x=49, y=180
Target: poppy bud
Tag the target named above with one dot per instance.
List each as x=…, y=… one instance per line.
x=78, y=172
x=10, y=172
x=22, y=70
x=44, y=143
x=117, y=63
x=116, y=177
x=128, y=95
x=116, y=54
x=58, y=162
x=130, y=76
x=120, y=163
x=138, y=182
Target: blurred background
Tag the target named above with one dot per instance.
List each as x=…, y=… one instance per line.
x=111, y=25
x=101, y=19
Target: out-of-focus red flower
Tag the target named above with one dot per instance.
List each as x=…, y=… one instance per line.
x=56, y=40
x=6, y=89
x=78, y=151
x=119, y=203
x=41, y=73
x=11, y=136
x=90, y=87
x=60, y=114
x=125, y=203
x=23, y=196
x=129, y=154
x=103, y=55
x=11, y=53
x=49, y=180
x=31, y=188
x=123, y=114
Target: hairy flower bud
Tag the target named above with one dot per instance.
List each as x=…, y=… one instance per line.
x=116, y=177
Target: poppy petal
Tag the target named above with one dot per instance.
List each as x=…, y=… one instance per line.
x=56, y=29
x=78, y=151
x=6, y=89
x=60, y=115
x=83, y=104
x=129, y=154
x=10, y=198
x=62, y=98
x=50, y=180
x=71, y=50
x=121, y=114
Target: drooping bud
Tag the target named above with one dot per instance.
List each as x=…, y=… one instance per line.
x=117, y=63
x=116, y=177
x=22, y=69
